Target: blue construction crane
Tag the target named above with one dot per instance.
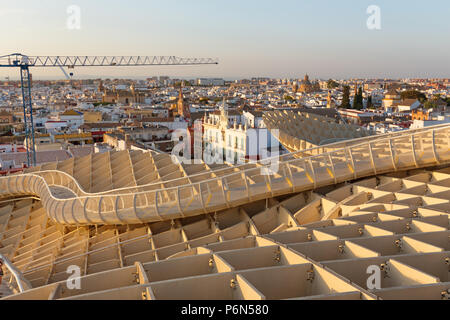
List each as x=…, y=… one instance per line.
x=25, y=62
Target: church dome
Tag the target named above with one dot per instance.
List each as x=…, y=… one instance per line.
x=306, y=85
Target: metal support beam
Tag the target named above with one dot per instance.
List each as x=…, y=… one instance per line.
x=25, y=78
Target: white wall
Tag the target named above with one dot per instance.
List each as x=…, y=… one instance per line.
x=55, y=126
x=73, y=122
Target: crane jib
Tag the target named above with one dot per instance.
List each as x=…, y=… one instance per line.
x=24, y=62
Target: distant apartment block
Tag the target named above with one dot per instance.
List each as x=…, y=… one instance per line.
x=210, y=82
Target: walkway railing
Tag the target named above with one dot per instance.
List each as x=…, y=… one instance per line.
x=397, y=151
x=17, y=281
x=79, y=191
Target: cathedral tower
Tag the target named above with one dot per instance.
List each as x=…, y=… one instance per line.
x=183, y=108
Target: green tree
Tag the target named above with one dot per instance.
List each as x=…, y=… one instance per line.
x=346, y=97
x=369, y=102
x=355, y=102
x=358, y=100
x=331, y=84
x=413, y=94
x=448, y=102
x=430, y=104
x=361, y=98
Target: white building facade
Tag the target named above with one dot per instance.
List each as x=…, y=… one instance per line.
x=233, y=139
x=74, y=119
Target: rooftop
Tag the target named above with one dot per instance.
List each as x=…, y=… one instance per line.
x=220, y=231
x=71, y=112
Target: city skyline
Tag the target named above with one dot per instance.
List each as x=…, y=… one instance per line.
x=251, y=150
x=251, y=39
x=62, y=77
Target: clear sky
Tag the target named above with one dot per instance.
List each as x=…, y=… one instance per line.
x=275, y=38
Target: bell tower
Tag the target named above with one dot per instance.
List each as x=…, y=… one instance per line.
x=182, y=106
x=330, y=102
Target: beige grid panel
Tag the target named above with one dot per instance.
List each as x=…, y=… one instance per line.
x=213, y=272
x=45, y=253
x=377, y=221
x=300, y=130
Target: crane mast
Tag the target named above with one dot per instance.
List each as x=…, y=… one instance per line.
x=24, y=62
x=25, y=81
